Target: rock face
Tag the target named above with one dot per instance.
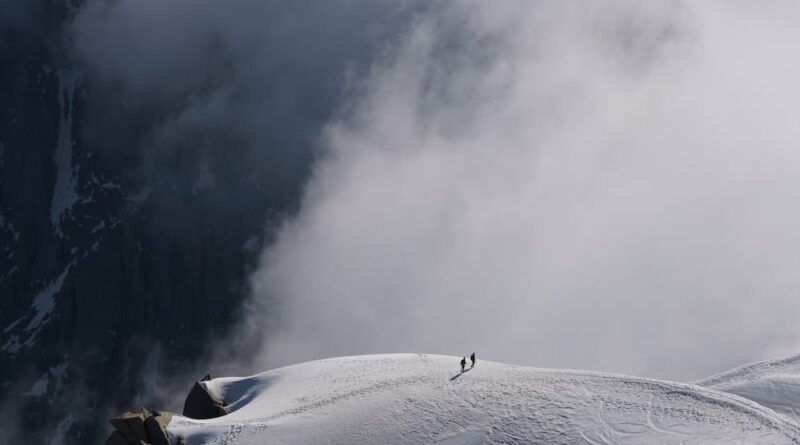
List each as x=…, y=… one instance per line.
x=201, y=404
x=150, y=428
x=109, y=273
x=156, y=427
x=140, y=428
x=120, y=258
x=131, y=424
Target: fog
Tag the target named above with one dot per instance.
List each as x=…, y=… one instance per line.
x=607, y=186
x=211, y=112
x=593, y=185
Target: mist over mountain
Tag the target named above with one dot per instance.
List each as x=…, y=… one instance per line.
x=588, y=186
x=226, y=187
x=148, y=150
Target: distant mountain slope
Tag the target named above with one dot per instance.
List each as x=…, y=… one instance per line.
x=129, y=222
x=772, y=383
x=407, y=398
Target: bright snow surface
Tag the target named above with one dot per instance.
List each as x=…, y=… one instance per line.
x=416, y=399
x=773, y=383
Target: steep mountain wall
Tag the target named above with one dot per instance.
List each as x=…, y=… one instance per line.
x=117, y=261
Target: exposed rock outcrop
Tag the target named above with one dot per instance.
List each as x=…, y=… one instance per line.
x=150, y=428
x=156, y=428
x=140, y=428
x=201, y=404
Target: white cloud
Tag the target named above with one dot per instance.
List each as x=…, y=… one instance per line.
x=606, y=187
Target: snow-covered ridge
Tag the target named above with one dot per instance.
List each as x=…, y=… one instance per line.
x=413, y=398
x=772, y=383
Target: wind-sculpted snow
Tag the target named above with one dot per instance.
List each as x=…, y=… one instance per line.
x=772, y=383
x=407, y=398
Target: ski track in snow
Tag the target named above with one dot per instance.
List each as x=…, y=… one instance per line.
x=772, y=383
x=411, y=398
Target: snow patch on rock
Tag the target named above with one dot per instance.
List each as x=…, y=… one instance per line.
x=61, y=430
x=39, y=387
x=45, y=301
x=65, y=193
x=42, y=308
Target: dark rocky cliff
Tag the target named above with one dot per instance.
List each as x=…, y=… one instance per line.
x=131, y=217
x=114, y=264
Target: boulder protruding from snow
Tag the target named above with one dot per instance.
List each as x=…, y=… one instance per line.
x=116, y=438
x=156, y=427
x=140, y=428
x=201, y=404
x=131, y=424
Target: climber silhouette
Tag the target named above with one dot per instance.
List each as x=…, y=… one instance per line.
x=472, y=357
x=463, y=363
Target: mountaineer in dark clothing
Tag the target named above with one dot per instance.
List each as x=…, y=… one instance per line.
x=472, y=357
x=463, y=363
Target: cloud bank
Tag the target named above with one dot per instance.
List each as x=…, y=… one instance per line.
x=602, y=186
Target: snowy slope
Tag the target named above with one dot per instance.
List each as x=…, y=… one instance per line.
x=773, y=383
x=413, y=399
